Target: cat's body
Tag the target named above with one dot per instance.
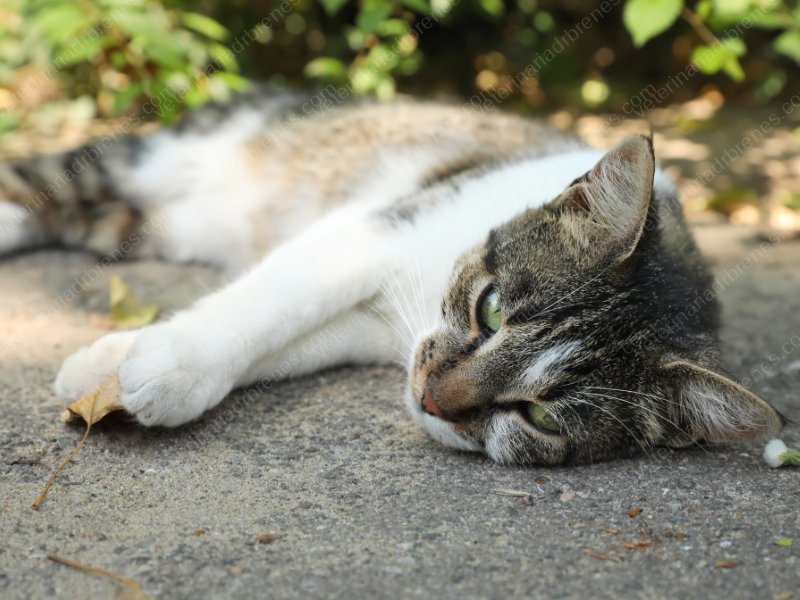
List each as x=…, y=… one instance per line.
x=583, y=262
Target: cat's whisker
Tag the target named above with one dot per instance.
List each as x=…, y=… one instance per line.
x=659, y=398
x=651, y=412
x=417, y=328
x=615, y=417
x=586, y=435
x=406, y=364
x=564, y=297
x=392, y=298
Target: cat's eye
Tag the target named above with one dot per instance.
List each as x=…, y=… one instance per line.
x=490, y=315
x=539, y=416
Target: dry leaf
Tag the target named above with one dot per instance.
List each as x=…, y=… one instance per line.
x=726, y=564
x=511, y=493
x=603, y=556
x=126, y=310
x=267, y=538
x=106, y=400
x=634, y=511
x=606, y=529
x=199, y=532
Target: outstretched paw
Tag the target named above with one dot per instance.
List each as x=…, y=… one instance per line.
x=83, y=371
x=174, y=374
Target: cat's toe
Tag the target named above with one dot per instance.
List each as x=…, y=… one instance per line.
x=167, y=379
x=86, y=369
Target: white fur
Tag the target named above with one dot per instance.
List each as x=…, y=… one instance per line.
x=539, y=374
x=338, y=268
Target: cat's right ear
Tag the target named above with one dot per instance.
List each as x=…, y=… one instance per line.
x=605, y=210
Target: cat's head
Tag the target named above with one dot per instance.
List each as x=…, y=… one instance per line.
x=583, y=331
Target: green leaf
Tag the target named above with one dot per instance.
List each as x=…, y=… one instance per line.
x=784, y=542
x=731, y=7
x=123, y=99
x=139, y=24
x=707, y=60
x=788, y=44
x=9, y=120
x=370, y=18
x=733, y=68
x=61, y=22
x=224, y=57
x=494, y=7
x=333, y=6
x=325, y=67
x=420, y=6
x=167, y=51
x=126, y=309
x=396, y=27
x=205, y=25
x=645, y=19
x=234, y=82
x=67, y=56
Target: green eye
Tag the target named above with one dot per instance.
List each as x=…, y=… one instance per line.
x=490, y=311
x=541, y=418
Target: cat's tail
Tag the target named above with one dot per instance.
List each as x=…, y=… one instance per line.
x=115, y=196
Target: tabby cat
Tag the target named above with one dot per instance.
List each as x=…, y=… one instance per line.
x=547, y=299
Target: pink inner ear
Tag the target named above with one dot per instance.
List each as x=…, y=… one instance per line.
x=578, y=201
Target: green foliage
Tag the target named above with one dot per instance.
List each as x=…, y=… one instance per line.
x=123, y=52
x=647, y=18
x=158, y=57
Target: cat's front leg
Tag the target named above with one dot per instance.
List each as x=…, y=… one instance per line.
x=174, y=371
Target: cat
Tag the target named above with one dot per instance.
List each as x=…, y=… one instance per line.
x=547, y=299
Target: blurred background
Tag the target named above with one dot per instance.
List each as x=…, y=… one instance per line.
x=712, y=78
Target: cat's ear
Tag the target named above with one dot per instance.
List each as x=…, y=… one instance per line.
x=605, y=210
x=710, y=407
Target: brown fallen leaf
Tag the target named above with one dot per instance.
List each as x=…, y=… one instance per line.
x=267, y=538
x=126, y=310
x=105, y=399
x=726, y=564
x=606, y=529
x=604, y=556
x=511, y=493
x=137, y=591
x=634, y=511
x=199, y=532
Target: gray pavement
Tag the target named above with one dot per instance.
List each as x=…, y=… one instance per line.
x=361, y=502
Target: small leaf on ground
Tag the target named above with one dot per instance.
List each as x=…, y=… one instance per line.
x=784, y=542
x=106, y=401
x=634, y=511
x=726, y=564
x=126, y=310
x=267, y=538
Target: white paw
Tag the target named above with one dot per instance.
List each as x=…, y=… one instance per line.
x=173, y=374
x=83, y=371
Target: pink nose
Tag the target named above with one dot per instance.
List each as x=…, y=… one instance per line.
x=430, y=405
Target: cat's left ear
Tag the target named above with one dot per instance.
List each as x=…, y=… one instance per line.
x=709, y=407
x=605, y=210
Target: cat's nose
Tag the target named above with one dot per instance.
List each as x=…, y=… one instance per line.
x=429, y=405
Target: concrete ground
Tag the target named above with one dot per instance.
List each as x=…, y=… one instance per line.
x=361, y=502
